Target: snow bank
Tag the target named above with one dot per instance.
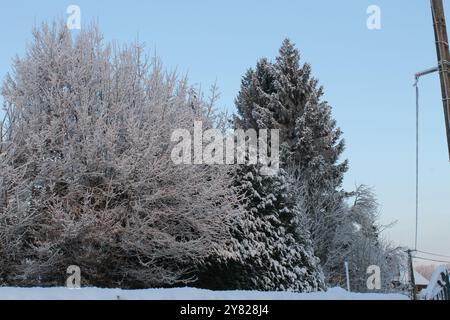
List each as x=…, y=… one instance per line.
x=13, y=293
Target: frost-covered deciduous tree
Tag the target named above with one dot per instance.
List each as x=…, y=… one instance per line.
x=86, y=176
x=359, y=242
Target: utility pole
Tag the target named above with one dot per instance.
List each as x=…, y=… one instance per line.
x=1, y=136
x=411, y=275
x=443, y=57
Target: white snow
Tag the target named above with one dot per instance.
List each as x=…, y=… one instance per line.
x=62, y=293
x=419, y=279
x=433, y=287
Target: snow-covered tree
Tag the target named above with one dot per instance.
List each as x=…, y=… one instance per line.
x=86, y=176
x=268, y=249
x=358, y=241
x=283, y=95
x=271, y=248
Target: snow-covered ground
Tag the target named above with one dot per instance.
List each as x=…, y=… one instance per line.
x=182, y=294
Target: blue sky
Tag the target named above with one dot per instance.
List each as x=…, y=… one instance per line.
x=367, y=75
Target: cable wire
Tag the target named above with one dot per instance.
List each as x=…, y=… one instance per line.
x=434, y=260
x=433, y=254
x=417, y=162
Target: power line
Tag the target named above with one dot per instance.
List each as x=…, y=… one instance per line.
x=434, y=260
x=434, y=254
x=417, y=161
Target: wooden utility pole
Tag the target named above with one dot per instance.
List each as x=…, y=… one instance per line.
x=443, y=57
x=411, y=275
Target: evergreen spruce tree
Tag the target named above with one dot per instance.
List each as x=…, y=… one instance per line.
x=277, y=252
x=283, y=95
x=270, y=249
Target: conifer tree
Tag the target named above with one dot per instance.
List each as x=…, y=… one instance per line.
x=283, y=95
x=273, y=249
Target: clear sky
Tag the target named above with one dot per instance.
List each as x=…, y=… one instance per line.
x=367, y=75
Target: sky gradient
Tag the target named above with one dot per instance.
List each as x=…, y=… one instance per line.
x=367, y=76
